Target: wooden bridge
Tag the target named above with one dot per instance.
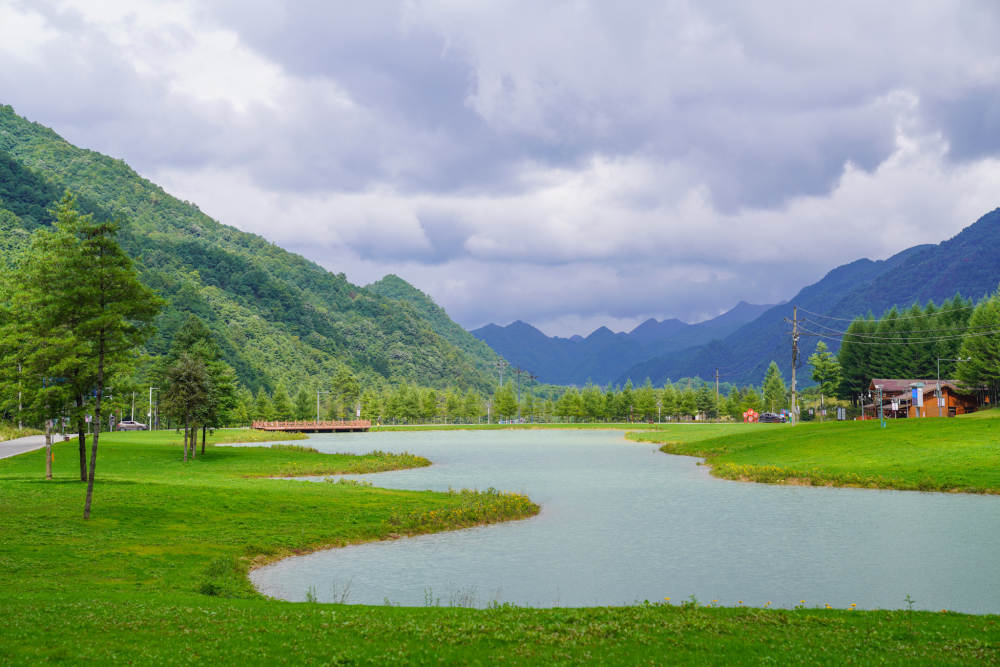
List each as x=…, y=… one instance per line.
x=325, y=426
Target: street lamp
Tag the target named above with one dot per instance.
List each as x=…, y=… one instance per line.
x=149, y=416
x=317, y=403
x=940, y=398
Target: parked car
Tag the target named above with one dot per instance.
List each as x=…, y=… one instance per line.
x=130, y=426
x=772, y=418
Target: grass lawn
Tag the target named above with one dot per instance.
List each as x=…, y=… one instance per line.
x=157, y=576
x=958, y=454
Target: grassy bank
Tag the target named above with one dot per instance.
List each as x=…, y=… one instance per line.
x=148, y=631
x=910, y=454
x=161, y=526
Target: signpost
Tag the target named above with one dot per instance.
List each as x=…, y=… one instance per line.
x=917, y=396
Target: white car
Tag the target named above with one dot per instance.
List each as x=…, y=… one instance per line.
x=130, y=426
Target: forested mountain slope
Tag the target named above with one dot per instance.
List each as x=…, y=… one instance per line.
x=968, y=263
x=277, y=316
x=394, y=288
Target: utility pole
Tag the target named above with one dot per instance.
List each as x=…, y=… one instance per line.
x=149, y=417
x=500, y=364
x=532, y=378
x=717, y=376
x=317, y=402
x=795, y=356
x=518, y=372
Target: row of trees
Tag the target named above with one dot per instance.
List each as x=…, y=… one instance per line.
x=908, y=343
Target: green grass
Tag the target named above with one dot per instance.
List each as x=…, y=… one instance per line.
x=910, y=454
x=158, y=577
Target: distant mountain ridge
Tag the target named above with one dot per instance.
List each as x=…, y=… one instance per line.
x=968, y=263
x=603, y=355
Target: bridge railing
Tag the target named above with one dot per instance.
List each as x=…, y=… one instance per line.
x=322, y=424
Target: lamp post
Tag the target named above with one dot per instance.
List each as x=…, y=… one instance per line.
x=149, y=417
x=659, y=404
x=317, y=403
x=881, y=412
x=938, y=393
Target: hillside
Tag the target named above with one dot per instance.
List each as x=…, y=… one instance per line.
x=277, y=316
x=394, y=288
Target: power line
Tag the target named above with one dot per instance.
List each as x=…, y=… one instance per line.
x=908, y=317
x=898, y=341
x=879, y=334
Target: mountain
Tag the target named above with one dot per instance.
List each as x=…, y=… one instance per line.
x=604, y=355
x=394, y=288
x=848, y=290
x=277, y=316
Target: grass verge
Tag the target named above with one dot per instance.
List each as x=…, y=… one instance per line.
x=955, y=455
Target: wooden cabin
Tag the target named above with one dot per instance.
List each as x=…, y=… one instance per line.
x=900, y=394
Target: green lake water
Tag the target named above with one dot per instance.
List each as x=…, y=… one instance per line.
x=622, y=522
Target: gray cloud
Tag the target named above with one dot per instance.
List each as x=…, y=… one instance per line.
x=541, y=160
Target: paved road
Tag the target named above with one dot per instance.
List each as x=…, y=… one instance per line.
x=22, y=445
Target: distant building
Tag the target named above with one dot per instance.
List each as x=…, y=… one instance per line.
x=897, y=399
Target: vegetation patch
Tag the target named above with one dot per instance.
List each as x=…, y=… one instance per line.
x=475, y=508
x=8, y=432
x=246, y=435
x=953, y=455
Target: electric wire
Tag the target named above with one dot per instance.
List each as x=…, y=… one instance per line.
x=911, y=341
x=907, y=317
x=915, y=331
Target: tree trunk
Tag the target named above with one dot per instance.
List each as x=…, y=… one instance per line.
x=97, y=427
x=48, y=449
x=82, y=431
x=185, y=438
x=203, y=429
x=194, y=442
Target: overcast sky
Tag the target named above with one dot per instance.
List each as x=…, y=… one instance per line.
x=566, y=163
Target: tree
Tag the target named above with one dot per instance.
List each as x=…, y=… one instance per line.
x=197, y=340
x=645, y=400
x=282, y=404
x=774, y=389
x=187, y=395
x=114, y=310
x=303, y=405
x=825, y=371
x=244, y=411
x=345, y=390
x=428, y=404
x=472, y=406
x=505, y=402
x=984, y=368
x=371, y=404
x=452, y=404
x=263, y=409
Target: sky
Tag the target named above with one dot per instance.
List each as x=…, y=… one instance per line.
x=571, y=164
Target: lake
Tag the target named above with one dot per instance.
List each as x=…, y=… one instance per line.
x=622, y=522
